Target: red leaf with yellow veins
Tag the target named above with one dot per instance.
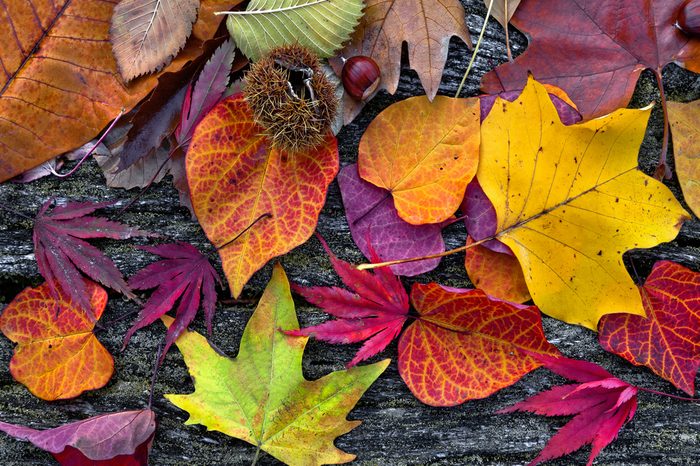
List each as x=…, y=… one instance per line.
x=668, y=340
x=497, y=274
x=425, y=153
x=114, y=439
x=184, y=274
x=61, y=252
x=465, y=345
x=254, y=201
x=374, y=309
x=600, y=403
x=57, y=355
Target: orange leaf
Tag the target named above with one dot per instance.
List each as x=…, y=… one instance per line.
x=498, y=274
x=57, y=355
x=425, y=153
x=241, y=185
x=465, y=345
x=52, y=98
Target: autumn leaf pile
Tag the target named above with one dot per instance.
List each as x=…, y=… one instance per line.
x=541, y=168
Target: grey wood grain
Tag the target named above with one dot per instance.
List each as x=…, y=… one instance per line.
x=396, y=429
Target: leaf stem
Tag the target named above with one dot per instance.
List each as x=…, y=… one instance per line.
x=431, y=256
x=476, y=50
x=256, y=457
x=507, y=20
x=89, y=153
x=265, y=215
x=159, y=355
x=662, y=169
x=668, y=395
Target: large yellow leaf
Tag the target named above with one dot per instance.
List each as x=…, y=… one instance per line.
x=570, y=201
x=685, y=125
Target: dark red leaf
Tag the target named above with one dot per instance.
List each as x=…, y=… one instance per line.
x=184, y=274
x=115, y=439
x=207, y=92
x=374, y=310
x=601, y=404
x=61, y=253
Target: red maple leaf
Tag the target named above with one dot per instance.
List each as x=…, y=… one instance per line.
x=374, y=310
x=668, y=339
x=61, y=252
x=183, y=274
x=601, y=404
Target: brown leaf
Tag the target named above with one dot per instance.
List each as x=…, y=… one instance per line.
x=501, y=8
x=59, y=85
x=426, y=26
x=146, y=35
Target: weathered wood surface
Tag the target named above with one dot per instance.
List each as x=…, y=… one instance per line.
x=397, y=429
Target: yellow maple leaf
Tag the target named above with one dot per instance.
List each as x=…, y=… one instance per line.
x=570, y=200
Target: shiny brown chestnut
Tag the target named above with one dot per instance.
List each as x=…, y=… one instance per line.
x=689, y=18
x=361, y=77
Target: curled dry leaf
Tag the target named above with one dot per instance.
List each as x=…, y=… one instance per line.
x=570, y=201
x=600, y=403
x=115, y=439
x=262, y=397
x=668, y=340
x=53, y=99
x=425, y=153
x=254, y=201
x=57, y=355
x=465, y=345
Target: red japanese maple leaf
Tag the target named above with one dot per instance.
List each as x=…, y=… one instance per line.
x=374, y=310
x=601, y=404
x=184, y=274
x=61, y=252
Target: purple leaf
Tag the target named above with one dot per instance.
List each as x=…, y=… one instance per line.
x=208, y=91
x=374, y=221
x=99, y=438
x=61, y=253
x=184, y=274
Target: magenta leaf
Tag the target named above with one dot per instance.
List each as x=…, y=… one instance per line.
x=374, y=223
x=601, y=404
x=208, y=91
x=184, y=274
x=122, y=438
x=61, y=252
x=374, y=308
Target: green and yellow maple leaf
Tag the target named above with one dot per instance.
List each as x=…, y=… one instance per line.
x=570, y=200
x=262, y=397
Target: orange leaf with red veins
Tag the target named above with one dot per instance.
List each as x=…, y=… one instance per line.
x=59, y=85
x=425, y=153
x=465, y=345
x=57, y=355
x=254, y=201
x=668, y=340
x=496, y=273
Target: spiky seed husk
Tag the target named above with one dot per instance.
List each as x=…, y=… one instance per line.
x=293, y=124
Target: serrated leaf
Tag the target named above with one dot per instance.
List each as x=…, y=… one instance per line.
x=320, y=25
x=145, y=35
x=262, y=397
